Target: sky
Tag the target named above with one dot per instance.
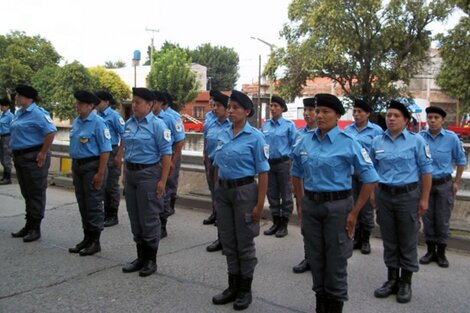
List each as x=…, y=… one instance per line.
x=95, y=31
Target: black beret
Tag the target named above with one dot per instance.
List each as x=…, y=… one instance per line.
x=86, y=97
x=309, y=102
x=438, y=110
x=26, y=91
x=243, y=100
x=401, y=107
x=168, y=97
x=361, y=104
x=330, y=101
x=221, y=98
x=5, y=102
x=280, y=101
x=143, y=93
x=105, y=96
x=213, y=92
x=159, y=96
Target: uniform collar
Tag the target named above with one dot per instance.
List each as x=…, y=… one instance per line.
x=279, y=121
x=90, y=117
x=224, y=122
x=368, y=125
x=6, y=112
x=405, y=133
x=441, y=132
x=332, y=134
x=31, y=107
x=106, y=111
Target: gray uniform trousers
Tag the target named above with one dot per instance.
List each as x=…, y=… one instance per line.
x=112, y=194
x=327, y=245
x=5, y=153
x=33, y=182
x=143, y=206
x=365, y=220
x=279, y=191
x=397, y=216
x=236, y=228
x=436, y=219
x=90, y=200
x=170, y=191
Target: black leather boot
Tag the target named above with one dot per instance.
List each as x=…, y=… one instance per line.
x=321, y=303
x=138, y=263
x=365, y=245
x=163, y=232
x=404, y=287
x=6, y=180
x=229, y=294
x=215, y=246
x=430, y=255
x=357, y=239
x=282, y=230
x=23, y=231
x=441, y=255
x=244, y=297
x=34, y=231
x=390, y=286
x=210, y=220
x=150, y=262
x=273, y=229
x=111, y=220
x=334, y=306
x=82, y=244
x=93, y=245
x=302, y=267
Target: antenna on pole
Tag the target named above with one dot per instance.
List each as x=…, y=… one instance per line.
x=152, y=48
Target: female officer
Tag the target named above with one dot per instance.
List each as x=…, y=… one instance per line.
x=401, y=159
x=323, y=160
x=90, y=145
x=241, y=154
x=146, y=145
x=5, y=151
x=32, y=133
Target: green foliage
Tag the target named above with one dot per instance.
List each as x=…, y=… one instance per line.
x=111, y=82
x=221, y=63
x=45, y=81
x=167, y=45
x=21, y=56
x=117, y=64
x=369, y=48
x=171, y=72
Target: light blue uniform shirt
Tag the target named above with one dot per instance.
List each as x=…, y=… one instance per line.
x=170, y=122
x=5, y=121
x=301, y=132
x=365, y=135
x=179, y=127
x=211, y=132
x=325, y=164
x=29, y=127
x=209, y=118
x=445, y=149
x=280, y=135
x=115, y=124
x=89, y=137
x=244, y=155
x=145, y=141
x=401, y=161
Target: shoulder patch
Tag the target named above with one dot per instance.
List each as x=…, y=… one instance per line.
x=107, y=134
x=121, y=121
x=48, y=119
x=366, y=156
x=427, y=151
x=167, y=135
x=461, y=145
x=266, y=151
x=179, y=127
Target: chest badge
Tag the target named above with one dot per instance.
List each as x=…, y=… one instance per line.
x=83, y=140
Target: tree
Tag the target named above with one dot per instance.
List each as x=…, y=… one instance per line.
x=221, y=63
x=171, y=72
x=21, y=56
x=167, y=45
x=45, y=82
x=117, y=64
x=111, y=82
x=454, y=75
x=369, y=48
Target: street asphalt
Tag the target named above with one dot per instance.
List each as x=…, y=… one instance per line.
x=43, y=277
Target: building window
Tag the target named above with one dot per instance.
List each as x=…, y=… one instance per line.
x=198, y=112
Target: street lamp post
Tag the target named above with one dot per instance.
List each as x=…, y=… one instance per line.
x=135, y=63
x=152, y=47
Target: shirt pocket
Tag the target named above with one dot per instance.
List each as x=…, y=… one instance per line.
x=405, y=161
x=442, y=157
x=332, y=167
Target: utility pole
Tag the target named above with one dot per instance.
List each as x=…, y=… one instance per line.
x=152, y=48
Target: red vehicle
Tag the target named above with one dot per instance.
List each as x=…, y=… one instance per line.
x=464, y=129
x=192, y=124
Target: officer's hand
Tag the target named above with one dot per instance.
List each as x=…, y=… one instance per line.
x=172, y=169
x=351, y=224
x=41, y=157
x=257, y=215
x=160, y=191
x=455, y=188
x=97, y=181
x=372, y=200
x=118, y=163
x=423, y=207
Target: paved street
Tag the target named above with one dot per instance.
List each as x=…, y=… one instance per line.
x=43, y=277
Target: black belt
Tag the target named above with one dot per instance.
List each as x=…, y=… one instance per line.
x=86, y=160
x=233, y=183
x=398, y=190
x=5, y=135
x=441, y=181
x=27, y=150
x=279, y=160
x=114, y=146
x=327, y=196
x=136, y=166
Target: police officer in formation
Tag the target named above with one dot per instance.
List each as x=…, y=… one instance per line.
x=115, y=124
x=211, y=133
x=240, y=155
x=146, y=146
x=177, y=147
x=446, y=149
x=90, y=146
x=5, y=151
x=31, y=135
x=403, y=162
x=363, y=131
x=309, y=117
x=280, y=135
x=322, y=160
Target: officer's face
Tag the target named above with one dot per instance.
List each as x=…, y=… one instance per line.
x=309, y=116
x=157, y=107
x=327, y=118
x=276, y=110
x=22, y=101
x=140, y=107
x=237, y=113
x=83, y=108
x=103, y=105
x=220, y=111
x=395, y=120
x=360, y=116
x=212, y=104
x=435, y=121
x=4, y=108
